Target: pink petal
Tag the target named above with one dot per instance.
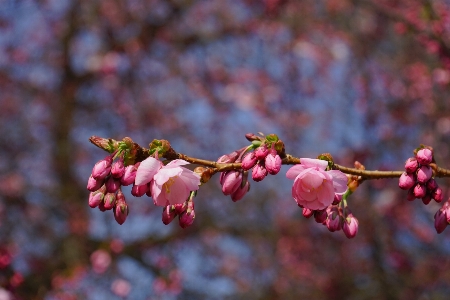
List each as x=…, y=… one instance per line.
x=158, y=197
x=146, y=170
x=294, y=171
x=191, y=179
x=339, y=181
x=177, y=192
x=314, y=163
x=307, y=196
x=311, y=180
x=325, y=194
x=176, y=163
x=166, y=173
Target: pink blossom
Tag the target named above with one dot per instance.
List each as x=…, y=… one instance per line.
x=112, y=184
x=333, y=221
x=320, y=216
x=259, y=172
x=129, y=174
x=440, y=220
x=109, y=201
x=437, y=195
x=273, y=163
x=411, y=165
x=121, y=210
x=139, y=190
x=314, y=188
x=307, y=213
x=121, y=287
x=261, y=152
x=147, y=170
x=118, y=168
x=420, y=190
x=172, y=184
x=432, y=184
x=94, y=184
x=95, y=198
x=168, y=214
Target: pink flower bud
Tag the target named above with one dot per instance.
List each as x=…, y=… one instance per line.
x=186, y=219
x=437, y=195
x=337, y=199
x=411, y=165
x=139, y=190
x=333, y=221
x=228, y=158
x=95, y=198
x=102, y=168
x=129, y=174
x=320, y=215
x=121, y=209
x=424, y=156
x=350, y=226
x=231, y=182
x=259, y=172
x=432, y=184
x=94, y=184
x=273, y=163
x=180, y=208
x=118, y=168
x=307, y=213
x=426, y=199
x=112, y=184
x=240, y=192
x=109, y=201
x=424, y=174
x=261, y=152
x=406, y=181
x=440, y=220
x=168, y=214
x=420, y=190
x=411, y=196
x=249, y=161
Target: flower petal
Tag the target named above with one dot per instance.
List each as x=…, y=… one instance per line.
x=176, y=163
x=294, y=171
x=166, y=173
x=339, y=181
x=146, y=170
x=314, y=163
x=177, y=193
x=191, y=179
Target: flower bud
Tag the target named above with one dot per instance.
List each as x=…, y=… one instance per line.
x=420, y=190
x=440, y=220
x=168, y=214
x=95, y=198
x=261, y=152
x=240, y=192
x=411, y=196
x=109, y=201
x=180, y=208
x=406, y=181
x=186, y=219
x=350, y=226
x=231, y=182
x=320, y=215
x=426, y=199
x=424, y=156
x=94, y=184
x=259, y=172
x=249, y=161
x=118, y=168
x=273, y=163
x=102, y=168
x=424, y=174
x=333, y=221
x=307, y=213
x=337, y=199
x=437, y=195
x=112, y=184
x=121, y=209
x=139, y=190
x=228, y=158
x=129, y=174
x=101, y=205
x=432, y=184
x=411, y=165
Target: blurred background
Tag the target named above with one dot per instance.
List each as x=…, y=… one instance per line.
x=365, y=80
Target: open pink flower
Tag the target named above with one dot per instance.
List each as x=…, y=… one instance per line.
x=314, y=188
x=173, y=183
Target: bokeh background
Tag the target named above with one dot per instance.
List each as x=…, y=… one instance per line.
x=365, y=80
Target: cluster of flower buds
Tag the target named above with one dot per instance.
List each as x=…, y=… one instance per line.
x=263, y=160
x=442, y=217
x=104, y=184
x=335, y=218
x=234, y=183
x=418, y=177
x=184, y=211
